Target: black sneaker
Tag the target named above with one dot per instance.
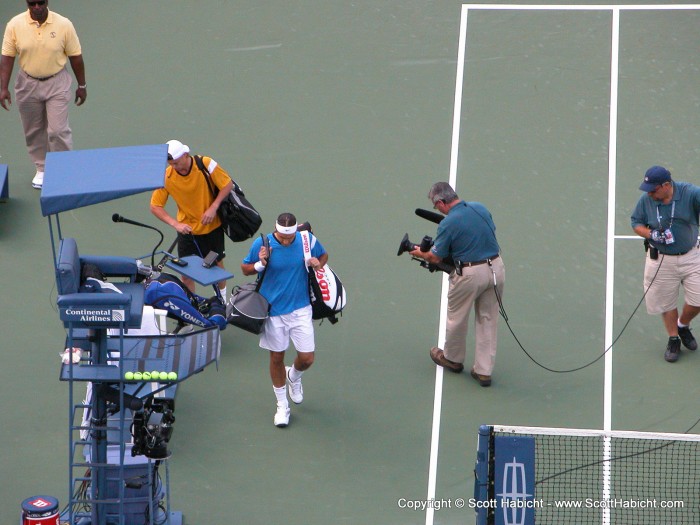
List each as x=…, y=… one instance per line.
x=673, y=349
x=688, y=340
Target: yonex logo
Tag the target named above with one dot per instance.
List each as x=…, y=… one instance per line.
x=182, y=314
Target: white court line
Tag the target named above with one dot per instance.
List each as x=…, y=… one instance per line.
x=610, y=266
x=611, y=237
x=607, y=7
x=437, y=403
x=612, y=177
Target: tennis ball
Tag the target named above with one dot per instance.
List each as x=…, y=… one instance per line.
x=146, y=376
x=163, y=376
x=129, y=376
x=137, y=376
x=172, y=376
x=154, y=374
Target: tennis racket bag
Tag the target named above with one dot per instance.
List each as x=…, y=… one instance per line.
x=326, y=291
x=327, y=294
x=169, y=294
x=239, y=218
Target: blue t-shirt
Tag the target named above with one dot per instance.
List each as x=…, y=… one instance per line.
x=467, y=233
x=681, y=215
x=286, y=281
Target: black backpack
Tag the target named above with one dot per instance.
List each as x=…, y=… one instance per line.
x=239, y=218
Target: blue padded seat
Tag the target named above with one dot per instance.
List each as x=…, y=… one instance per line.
x=97, y=310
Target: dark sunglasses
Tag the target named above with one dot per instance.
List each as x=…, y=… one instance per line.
x=37, y=2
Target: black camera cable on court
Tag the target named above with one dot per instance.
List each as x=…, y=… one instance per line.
x=503, y=313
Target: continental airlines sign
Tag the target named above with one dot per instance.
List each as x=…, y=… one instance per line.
x=93, y=315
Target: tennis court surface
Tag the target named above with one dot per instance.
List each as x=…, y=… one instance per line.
x=345, y=114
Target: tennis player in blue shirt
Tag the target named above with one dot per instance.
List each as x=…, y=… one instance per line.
x=286, y=288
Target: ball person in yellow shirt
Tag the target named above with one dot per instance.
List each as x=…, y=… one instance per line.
x=197, y=224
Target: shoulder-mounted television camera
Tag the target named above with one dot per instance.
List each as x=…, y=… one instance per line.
x=447, y=264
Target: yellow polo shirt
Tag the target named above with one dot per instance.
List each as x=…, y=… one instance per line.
x=43, y=50
x=192, y=194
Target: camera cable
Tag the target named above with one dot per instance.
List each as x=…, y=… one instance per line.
x=503, y=313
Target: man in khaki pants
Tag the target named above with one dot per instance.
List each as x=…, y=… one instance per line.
x=44, y=42
x=468, y=235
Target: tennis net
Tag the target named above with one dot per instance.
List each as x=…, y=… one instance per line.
x=534, y=475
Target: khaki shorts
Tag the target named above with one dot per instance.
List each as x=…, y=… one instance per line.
x=674, y=272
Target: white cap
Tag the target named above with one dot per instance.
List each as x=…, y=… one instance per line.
x=177, y=149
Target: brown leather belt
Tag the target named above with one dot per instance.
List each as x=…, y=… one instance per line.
x=477, y=263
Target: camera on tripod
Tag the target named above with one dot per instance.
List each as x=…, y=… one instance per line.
x=151, y=429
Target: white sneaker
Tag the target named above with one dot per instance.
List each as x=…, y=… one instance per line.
x=295, y=390
x=38, y=180
x=282, y=416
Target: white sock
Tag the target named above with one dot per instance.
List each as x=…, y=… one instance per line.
x=681, y=325
x=281, y=395
x=222, y=291
x=294, y=374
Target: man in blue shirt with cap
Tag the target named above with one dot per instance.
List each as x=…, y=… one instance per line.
x=667, y=218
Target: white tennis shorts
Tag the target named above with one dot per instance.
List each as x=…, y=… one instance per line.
x=297, y=326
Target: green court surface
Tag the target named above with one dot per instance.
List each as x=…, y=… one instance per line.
x=343, y=113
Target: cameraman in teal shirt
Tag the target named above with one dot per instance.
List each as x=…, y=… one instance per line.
x=468, y=235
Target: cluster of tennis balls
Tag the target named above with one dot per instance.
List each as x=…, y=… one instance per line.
x=155, y=375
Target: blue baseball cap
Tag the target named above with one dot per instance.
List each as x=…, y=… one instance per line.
x=655, y=176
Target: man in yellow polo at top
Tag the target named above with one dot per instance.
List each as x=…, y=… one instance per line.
x=44, y=42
